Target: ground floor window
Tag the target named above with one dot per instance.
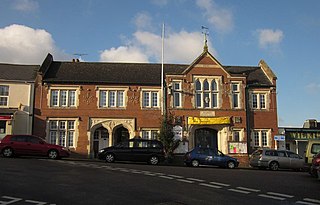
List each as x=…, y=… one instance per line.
x=3, y=125
x=149, y=134
x=260, y=138
x=62, y=132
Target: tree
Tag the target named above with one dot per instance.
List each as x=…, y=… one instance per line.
x=166, y=136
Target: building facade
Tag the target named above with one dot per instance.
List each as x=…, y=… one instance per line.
x=87, y=106
x=16, y=98
x=297, y=138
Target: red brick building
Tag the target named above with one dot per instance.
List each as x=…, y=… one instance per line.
x=86, y=106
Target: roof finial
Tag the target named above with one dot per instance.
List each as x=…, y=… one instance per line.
x=205, y=33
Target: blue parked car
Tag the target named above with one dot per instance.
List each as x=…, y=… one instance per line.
x=208, y=156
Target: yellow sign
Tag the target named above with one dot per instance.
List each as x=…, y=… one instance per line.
x=208, y=120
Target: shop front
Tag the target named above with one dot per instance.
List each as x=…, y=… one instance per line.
x=5, y=125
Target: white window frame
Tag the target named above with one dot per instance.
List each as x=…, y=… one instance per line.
x=261, y=138
x=207, y=102
x=150, y=102
x=5, y=96
x=241, y=134
x=118, y=99
x=177, y=93
x=260, y=104
x=62, y=132
x=58, y=101
x=150, y=134
x=237, y=93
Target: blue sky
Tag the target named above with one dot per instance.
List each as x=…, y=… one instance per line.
x=283, y=33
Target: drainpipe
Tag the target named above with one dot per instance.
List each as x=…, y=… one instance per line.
x=248, y=127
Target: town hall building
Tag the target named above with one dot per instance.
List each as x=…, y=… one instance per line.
x=90, y=105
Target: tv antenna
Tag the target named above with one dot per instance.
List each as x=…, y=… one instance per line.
x=80, y=55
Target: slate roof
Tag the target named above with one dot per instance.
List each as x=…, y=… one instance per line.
x=109, y=73
x=15, y=72
x=256, y=76
x=131, y=73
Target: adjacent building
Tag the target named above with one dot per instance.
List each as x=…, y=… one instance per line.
x=296, y=138
x=86, y=106
x=16, y=98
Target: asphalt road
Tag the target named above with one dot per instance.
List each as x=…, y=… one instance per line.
x=43, y=181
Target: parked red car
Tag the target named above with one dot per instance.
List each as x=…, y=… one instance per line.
x=315, y=166
x=15, y=145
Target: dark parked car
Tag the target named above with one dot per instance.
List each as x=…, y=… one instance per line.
x=207, y=156
x=137, y=150
x=315, y=166
x=275, y=159
x=17, y=145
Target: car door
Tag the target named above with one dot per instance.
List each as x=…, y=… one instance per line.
x=283, y=159
x=36, y=146
x=203, y=156
x=18, y=144
x=219, y=158
x=296, y=161
x=122, y=150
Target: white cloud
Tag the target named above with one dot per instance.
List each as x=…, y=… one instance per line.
x=25, y=45
x=269, y=37
x=25, y=5
x=143, y=21
x=179, y=47
x=124, y=54
x=220, y=18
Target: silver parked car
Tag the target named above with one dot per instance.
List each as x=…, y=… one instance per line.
x=275, y=159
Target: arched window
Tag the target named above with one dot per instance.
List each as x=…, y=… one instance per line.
x=198, y=85
x=206, y=93
x=214, y=94
x=198, y=94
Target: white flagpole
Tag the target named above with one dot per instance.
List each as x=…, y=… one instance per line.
x=162, y=74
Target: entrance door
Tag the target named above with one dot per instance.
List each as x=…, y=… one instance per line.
x=120, y=135
x=206, y=137
x=100, y=140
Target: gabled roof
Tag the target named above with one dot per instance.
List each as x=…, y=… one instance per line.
x=255, y=75
x=15, y=72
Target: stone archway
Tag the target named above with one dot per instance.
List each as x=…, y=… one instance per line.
x=120, y=134
x=206, y=137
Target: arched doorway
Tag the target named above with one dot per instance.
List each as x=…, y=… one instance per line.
x=100, y=139
x=121, y=134
x=206, y=137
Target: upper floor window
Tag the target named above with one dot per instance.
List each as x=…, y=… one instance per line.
x=258, y=101
x=150, y=99
x=207, y=93
x=63, y=98
x=177, y=94
x=111, y=98
x=235, y=89
x=4, y=95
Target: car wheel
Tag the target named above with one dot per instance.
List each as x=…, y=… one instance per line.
x=109, y=158
x=195, y=163
x=274, y=166
x=7, y=152
x=231, y=165
x=154, y=160
x=53, y=154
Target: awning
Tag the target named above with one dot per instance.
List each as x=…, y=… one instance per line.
x=208, y=120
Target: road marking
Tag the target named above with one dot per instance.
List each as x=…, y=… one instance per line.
x=281, y=195
x=219, y=184
x=175, y=176
x=149, y=174
x=166, y=177
x=186, y=181
x=248, y=189
x=36, y=202
x=13, y=200
x=210, y=185
x=197, y=180
x=159, y=173
x=309, y=201
x=239, y=191
x=272, y=197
